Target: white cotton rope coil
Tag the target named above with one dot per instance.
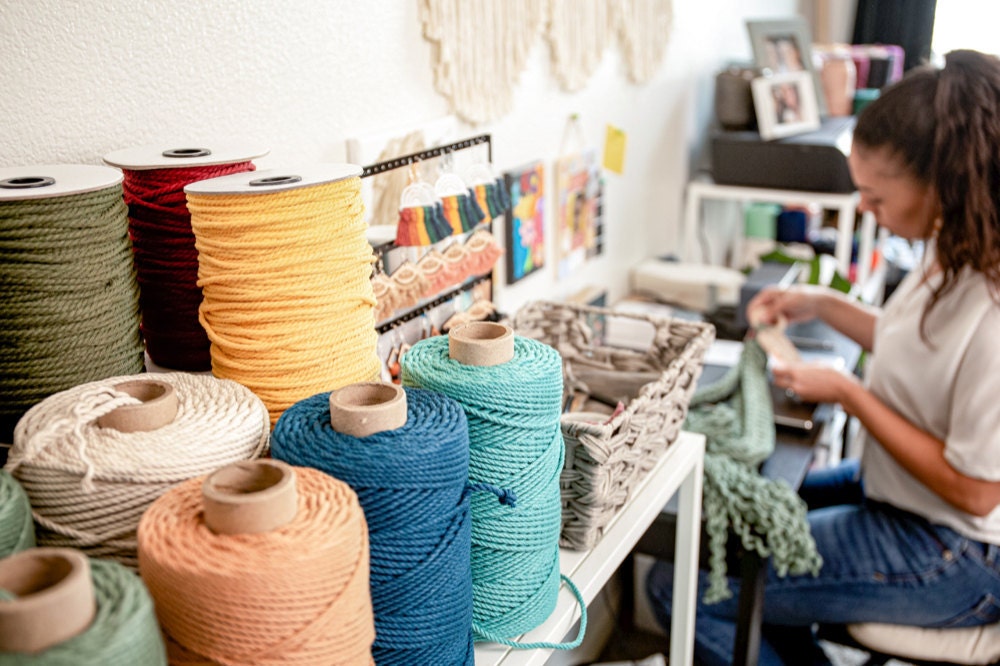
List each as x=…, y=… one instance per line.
x=89, y=485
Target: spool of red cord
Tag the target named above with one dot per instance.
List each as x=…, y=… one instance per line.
x=166, y=260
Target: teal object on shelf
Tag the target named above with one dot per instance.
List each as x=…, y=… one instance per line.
x=863, y=97
x=761, y=220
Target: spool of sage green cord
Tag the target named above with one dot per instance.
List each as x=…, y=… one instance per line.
x=17, y=531
x=123, y=632
x=68, y=291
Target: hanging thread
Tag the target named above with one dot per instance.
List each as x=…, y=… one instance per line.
x=513, y=412
x=89, y=485
x=17, y=532
x=69, y=294
x=735, y=415
x=124, y=631
x=166, y=262
x=411, y=482
x=295, y=595
x=288, y=302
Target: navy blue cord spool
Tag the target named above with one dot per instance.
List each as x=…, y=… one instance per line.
x=412, y=486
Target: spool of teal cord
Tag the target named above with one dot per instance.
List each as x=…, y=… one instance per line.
x=17, y=531
x=513, y=411
x=123, y=632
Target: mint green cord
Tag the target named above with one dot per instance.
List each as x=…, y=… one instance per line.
x=124, y=631
x=516, y=442
x=737, y=418
x=17, y=530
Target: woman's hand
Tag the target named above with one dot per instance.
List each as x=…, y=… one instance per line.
x=796, y=303
x=814, y=382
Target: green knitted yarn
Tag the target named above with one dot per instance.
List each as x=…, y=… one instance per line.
x=124, y=631
x=737, y=418
x=515, y=440
x=69, y=301
x=17, y=531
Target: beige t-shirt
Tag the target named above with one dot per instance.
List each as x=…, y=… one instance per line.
x=951, y=390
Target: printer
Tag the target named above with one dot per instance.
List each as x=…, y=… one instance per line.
x=815, y=161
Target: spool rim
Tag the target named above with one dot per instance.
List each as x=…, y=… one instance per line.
x=158, y=407
x=367, y=408
x=481, y=343
x=57, y=601
x=249, y=497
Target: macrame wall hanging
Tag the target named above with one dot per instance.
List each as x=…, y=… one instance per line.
x=644, y=30
x=578, y=32
x=481, y=49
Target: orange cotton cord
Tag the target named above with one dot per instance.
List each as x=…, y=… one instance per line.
x=296, y=596
x=288, y=302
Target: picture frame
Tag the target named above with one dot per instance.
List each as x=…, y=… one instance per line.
x=785, y=104
x=785, y=45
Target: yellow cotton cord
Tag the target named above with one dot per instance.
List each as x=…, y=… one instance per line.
x=288, y=303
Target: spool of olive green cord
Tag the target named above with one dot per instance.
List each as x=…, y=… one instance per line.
x=17, y=531
x=69, y=308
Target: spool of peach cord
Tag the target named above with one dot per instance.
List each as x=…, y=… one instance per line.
x=260, y=563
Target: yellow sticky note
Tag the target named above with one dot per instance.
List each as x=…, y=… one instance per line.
x=614, y=150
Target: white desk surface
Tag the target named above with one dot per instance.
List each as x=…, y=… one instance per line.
x=590, y=570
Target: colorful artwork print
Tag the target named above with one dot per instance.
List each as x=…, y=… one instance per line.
x=578, y=187
x=526, y=223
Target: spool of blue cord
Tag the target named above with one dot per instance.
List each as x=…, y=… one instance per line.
x=411, y=482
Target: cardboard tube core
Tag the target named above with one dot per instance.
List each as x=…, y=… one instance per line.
x=54, y=599
x=366, y=408
x=158, y=407
x=249, y=497
x=481, y=343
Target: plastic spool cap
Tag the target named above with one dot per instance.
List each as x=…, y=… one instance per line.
x=158, y=407
x=365, y=408
x=481, y=343
x=249, y=497
x=183, y=155
x=54, y=599
x=55, y=180
x=274, y=180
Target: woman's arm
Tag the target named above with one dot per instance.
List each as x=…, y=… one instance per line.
x=918, y=452
x=805, y=302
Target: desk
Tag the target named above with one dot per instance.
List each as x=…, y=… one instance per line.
x=679, y=470
x=845, y=204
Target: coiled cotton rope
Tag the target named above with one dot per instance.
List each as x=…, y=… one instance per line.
x=124, y=631
x=513, y=412
x=89, y=485
x=412, y=486
x=70, y=303
x=296, y=595
x=166, y=262
x=288, y=301
x=17, y=532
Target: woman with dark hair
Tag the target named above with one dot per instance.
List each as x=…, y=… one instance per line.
x=910, y=534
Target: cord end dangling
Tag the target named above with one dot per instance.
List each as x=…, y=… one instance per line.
x=507, y=496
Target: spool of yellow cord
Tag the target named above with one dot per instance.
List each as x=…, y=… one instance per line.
x=285, y=270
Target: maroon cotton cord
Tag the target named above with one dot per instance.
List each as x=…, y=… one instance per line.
x=166, y=262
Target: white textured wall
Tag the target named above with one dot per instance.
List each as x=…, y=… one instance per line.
x=80, y=79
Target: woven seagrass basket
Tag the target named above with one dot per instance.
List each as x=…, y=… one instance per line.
x=606, y=456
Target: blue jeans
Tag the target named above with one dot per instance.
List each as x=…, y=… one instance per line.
x=880, y=564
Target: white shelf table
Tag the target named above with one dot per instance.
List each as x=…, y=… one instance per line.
x=846, y=205
x=678, y=471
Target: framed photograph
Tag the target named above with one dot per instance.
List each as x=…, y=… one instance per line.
x=785, y=104
x=525, y=228
x=785, y=45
